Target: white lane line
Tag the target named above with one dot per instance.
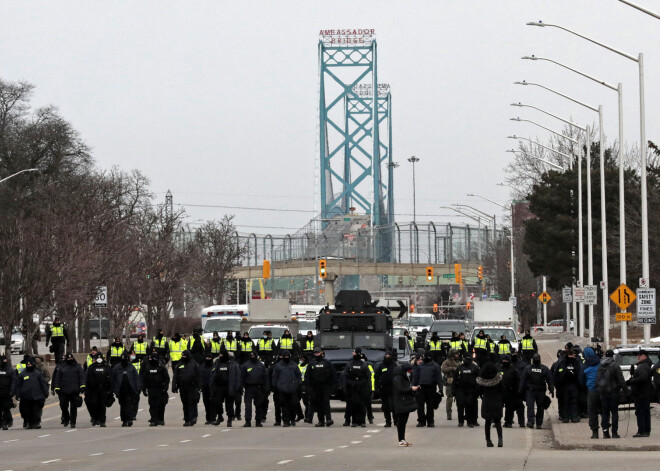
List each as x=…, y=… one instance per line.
x=129, y=449
x=355, y=442
x=185, y=441
x=96, y=454
x=206, y=436
x=72, y=430
x=284, y=461
x=226, y=430
x=44, y=436
x=366, y=436
x=163, y=445
x=343, y=446
x=329, y=450
x=373, y=431
x=117, y=418
x=51, y=461
x=172, y=397
x=381, y=425
x=140, y=410
x=309, y=456
x=9, y=441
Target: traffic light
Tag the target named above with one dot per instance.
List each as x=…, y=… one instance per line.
x=412, y=308
x=323, y=272
x=435, y=307
x=266, y=272
x=469, y=305
x=429, y=273
x=480, y=272
x=458, y=273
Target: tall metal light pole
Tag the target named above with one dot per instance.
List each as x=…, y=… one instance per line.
x=19, y=172
x=414, y=160
x=641, y=8
x=643, y=144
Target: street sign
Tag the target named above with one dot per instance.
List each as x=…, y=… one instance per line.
x=545, y=297
x=514, y=301
x=623, y=297
x=448, y=275
x=101, y=299
x=646, y=305
x=567, y=294
x=578, y=294
x=643, y=282
x=591, y=295
x=623, y=316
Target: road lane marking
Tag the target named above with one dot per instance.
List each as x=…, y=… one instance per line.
x=355, y=442
x=163, y=445
x=226, y=430
x=329, y=450
x=309, y=456
x=51, y=461
x=185, y=441
x=206, y=436
x=343, y=446
x=373, y=431
x=96, y=454
x=284, y=461
x=129, y=449
x=72, y=430
x=44, y=436
x=140, y=410
x=9, y=441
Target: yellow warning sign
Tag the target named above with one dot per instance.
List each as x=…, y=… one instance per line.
x=623, y=297
x=545, y=297
x=623, y=316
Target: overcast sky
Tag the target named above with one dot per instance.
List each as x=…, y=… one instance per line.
x=217, y=100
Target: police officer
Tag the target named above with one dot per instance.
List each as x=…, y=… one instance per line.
x=503, y=346
x=265, y=347
x=126, y=386
x=435, y=348
x=533, y=382
x=230, y=343
x=115, y=351
x=512, y=400
x=90, y=357
x=69, y=383
x=356, y=384
x=187, y=382
x=448, y=369
x=176, y=347
x=384, y=377
x=428, y=376
x=255, y=381
x=465, y=391
x=287, y=343
x=528, y=347
x=206, y=374
x=196, y=346
x=409, y=340
x=155, y=383
x=246, y=346
x=31, y=389
x=214, y=345
x=480, y=347
x=160, y=343
x=226, y=383
x=7, y=380
x=321, y=379
x=287, y=380
x=98, y=389
x=566, y=379
x=58, y=335
x=140, y=348
x=302, y=393
x=308, y=344
x=372, y=381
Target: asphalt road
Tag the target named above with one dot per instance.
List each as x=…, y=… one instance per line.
x=303, y=447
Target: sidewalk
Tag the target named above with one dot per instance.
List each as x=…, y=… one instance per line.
x=578, y=436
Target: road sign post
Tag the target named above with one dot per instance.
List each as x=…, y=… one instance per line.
x=591, y=296
x=646, y=306
x=101, y=302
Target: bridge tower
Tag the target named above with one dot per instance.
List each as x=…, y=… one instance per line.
x=353, y=151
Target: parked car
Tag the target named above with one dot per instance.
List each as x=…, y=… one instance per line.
x=626, y=356
x=17, y=346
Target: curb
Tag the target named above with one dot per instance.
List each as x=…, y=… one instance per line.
x=558, y=444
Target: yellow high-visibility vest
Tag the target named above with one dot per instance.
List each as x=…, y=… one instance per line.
x=160, y=343
x=265, y=345
x=480, y=343
x=528, y=344
x=309, y=345
x=57, y=331
x=215, y=346
x=246, y=345
x=411, y=342
x=89, y=359
x=115, y=352
x=140, y=348
x=303, y=369
x=20, y=367
x=504, y=348
x=176, y=349
x=137, y=366
x=373, y=378
x=286, y=344
x=456, y=344
x=434, y=346
x=230, y=346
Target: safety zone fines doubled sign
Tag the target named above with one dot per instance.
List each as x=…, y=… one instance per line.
x=646, y=305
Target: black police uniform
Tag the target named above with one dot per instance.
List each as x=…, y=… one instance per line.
x=68, y=383
x=155, y=383
x=98, y=391
x=465, y=392
x=7, y=379
x=187, y=382
x=355, y=381
x=429, y=377
x=533, y=383
x=226, y=383
x=384, y=382
x=321, y=379
x=255, y=382
x=206, y=374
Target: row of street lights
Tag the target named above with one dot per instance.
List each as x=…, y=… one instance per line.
x=643, y=147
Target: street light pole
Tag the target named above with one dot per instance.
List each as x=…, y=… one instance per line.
x=414, y=160
x=19, y=172
x=641, y=8
x=643, y=145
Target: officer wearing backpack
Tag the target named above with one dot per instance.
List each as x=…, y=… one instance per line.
x=609, y=381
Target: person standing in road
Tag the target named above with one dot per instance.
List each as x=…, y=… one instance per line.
x=528, y=347
x=384, y=382
x=435, y=348
x=554, y=371
x=58, y=335
x=226, y=384
x=321, y=380
x=465, y=391
x=255, y=381
x=641, y=389
x=140, y=348
x=265, y=347
x=492, y=392
x=428, y=377
x=567, y=380
x=356, y=385
x=196, y=346
x=372, y=382
x=187, y=382
x=287, y=380
x=609, y=381
x=69, y=383
x=126, y=386
x=287, y=343
x=480, y=348
x=512, y=400
x=7, y=380
x=403, y=399
x=36, y=338
x=160, y=343
x=214, y=345
x=90, y=358
x=410, y=341
x=448, y=369
x=176, y=347
x=98, y=390
x=206, y=374
x=31, y=389
x=115, y=351
x=308, y=344
x=302, y=393
x=246, y=346
x=155, y=382
x=588, y=373
x=533, y=384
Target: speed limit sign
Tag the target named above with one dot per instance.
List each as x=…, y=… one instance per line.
x=101, y=299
